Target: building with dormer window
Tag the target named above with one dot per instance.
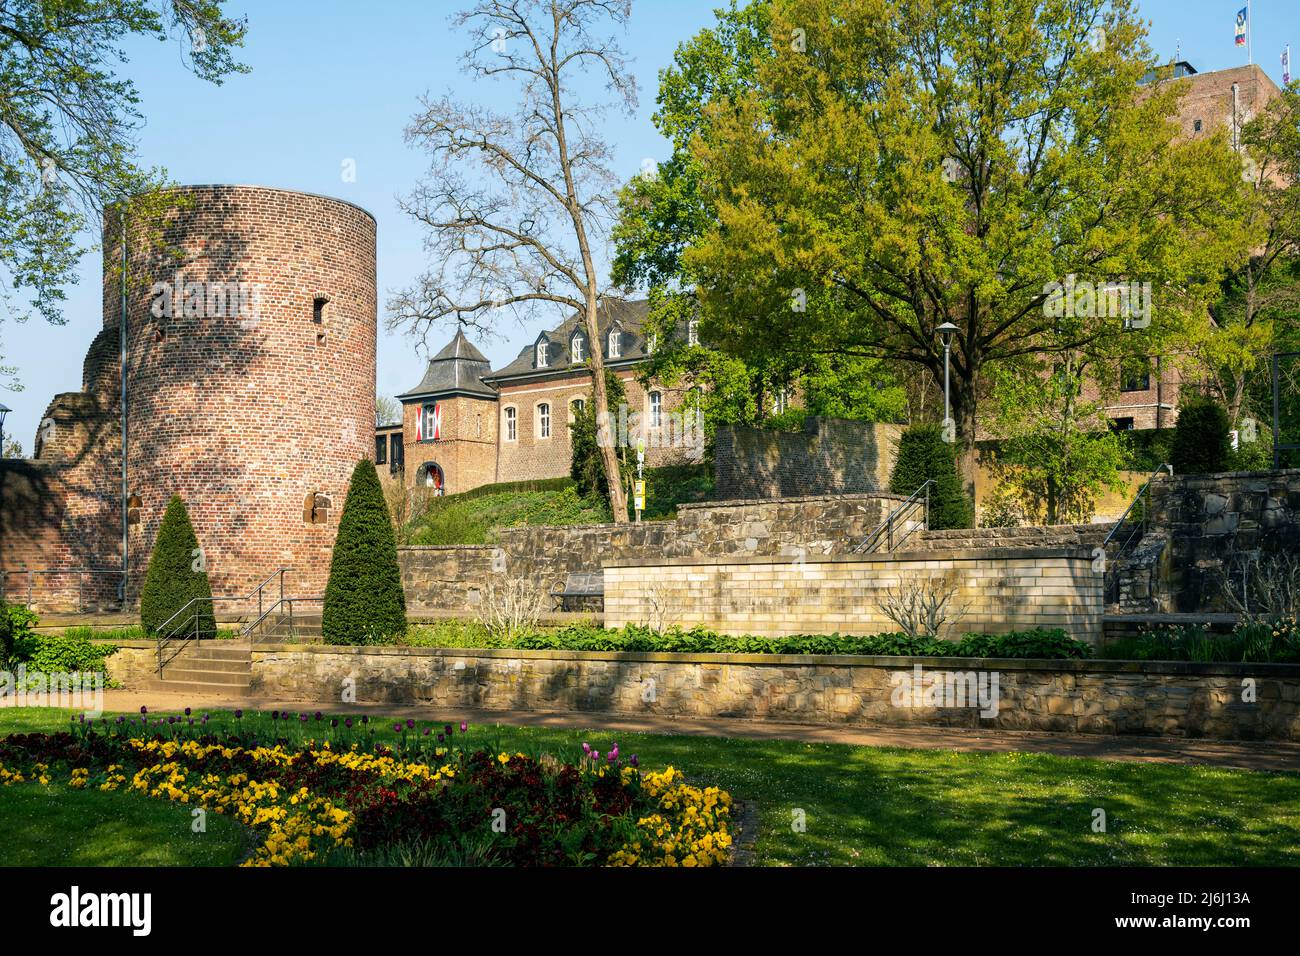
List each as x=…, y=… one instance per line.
x=465, y=425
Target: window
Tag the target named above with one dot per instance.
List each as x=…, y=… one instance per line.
x=615, y=345
x=577, y=347
x=133, y=511
x=541, y=355
x=512, y=424
x=693, y=332
x=318, y=317
x=1197, y=126
x=656, y=409
x=576, y=408
x=544, y=420
x=1121, y=425
x=381, y=449
x=1135, y=375
x=429, y=428
x=396, y=453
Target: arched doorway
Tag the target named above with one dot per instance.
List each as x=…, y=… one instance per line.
x=431, y=477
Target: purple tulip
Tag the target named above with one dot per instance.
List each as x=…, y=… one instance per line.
x=334, y=721
x=275, y=715
x=239, y=715
x=447, y=730
x=586, y=748
x=144, y=710
x=410, y=724
x=120, y=718
x=347, y=722
x=632, y=761
x=440, y=738
x=464, y=727
x=318, y=715
x=427, y=730
x=365, y=718
x=595, y=755
x=187, y=711
x=397, y=728
x=302, y=718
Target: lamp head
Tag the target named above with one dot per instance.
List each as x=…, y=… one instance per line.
x=946, y=332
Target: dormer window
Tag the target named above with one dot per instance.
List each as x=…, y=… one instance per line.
x=615, y=345
x=693, y=332
x=541, y=355
x=577, y=347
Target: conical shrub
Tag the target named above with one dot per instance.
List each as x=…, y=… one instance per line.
x=364, y=603
x=177, y=575
x=923, y=454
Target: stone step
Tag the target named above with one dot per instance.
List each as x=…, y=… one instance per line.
x=172, y=673
x=233, y=665
x=196, y=687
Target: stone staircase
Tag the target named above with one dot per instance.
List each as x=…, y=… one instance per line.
x=1052, y=536
x=211, y=667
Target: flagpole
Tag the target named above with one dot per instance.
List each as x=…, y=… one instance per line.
x=1250, y=29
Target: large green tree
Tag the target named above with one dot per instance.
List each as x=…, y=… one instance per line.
x=68, y=121
x=896, y=165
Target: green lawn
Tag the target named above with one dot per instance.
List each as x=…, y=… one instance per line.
x=872, y=806
x=55, y=825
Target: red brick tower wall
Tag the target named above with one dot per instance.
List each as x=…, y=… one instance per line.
x=248, y=407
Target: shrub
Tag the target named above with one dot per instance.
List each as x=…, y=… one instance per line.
x=58, y=654
x=177, y=574
x=364, y=602
x=1201, y=442
x=923, y=454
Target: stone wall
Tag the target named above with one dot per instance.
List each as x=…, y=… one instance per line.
x=450, y=578
x=996, y=590
x=1096, y=697
x=1203, y=530
x=830, y=456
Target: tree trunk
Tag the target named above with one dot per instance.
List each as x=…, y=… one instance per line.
x=606, y=436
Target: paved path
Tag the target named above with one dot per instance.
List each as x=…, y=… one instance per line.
x=1247, y=755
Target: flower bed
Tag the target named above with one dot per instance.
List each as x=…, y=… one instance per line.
x=343, y=798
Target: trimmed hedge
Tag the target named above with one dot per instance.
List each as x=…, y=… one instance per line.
x=1051, y=645
x=364, y=602
x=1202, y=444
x=923, y=454
x=172, y=581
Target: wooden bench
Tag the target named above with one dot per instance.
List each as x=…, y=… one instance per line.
x=579, y=588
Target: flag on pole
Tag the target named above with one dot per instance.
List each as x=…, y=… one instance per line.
x=1286, y=65
x=1242, y=14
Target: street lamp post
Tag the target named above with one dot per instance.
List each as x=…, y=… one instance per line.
x=946, y=332
x=4, y=410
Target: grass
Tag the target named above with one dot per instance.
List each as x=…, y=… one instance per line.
x=473, y=516
x=54, y=825
x=883, y=806
x=130, y=632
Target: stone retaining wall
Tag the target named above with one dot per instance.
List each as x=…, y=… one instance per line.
x=997, y=590
x=450, y=578
x=1094, y=697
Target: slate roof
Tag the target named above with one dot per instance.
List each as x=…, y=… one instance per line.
x=458, y=369
x=630, y=316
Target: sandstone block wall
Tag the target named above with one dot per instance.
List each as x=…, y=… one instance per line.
x=546, y=555
x=996, y=590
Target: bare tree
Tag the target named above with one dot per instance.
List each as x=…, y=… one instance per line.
x=920, y=606
x=514, y=203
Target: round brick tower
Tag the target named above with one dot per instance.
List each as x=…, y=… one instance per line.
x=250, y=377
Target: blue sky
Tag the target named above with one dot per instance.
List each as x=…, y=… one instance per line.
x=333, y=80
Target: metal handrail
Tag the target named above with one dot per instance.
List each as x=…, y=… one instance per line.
x=887, y=528
x=164, y=637
x=1141, y=528
x=1133, y=504
x=31, y=572
x=248, y=629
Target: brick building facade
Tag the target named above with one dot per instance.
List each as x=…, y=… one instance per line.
x=465, y=425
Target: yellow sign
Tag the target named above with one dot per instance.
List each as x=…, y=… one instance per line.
x=638, y=488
